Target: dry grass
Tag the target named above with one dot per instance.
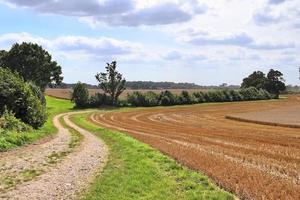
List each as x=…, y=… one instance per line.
x=254, y=161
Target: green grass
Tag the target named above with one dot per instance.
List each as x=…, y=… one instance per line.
x=136, y=171
x=54, y=106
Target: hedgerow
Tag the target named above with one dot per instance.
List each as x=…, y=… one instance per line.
x=166, y=98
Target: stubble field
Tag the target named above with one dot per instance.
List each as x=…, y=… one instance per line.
x=254, y=161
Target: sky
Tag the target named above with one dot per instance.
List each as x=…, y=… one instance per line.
x=201, y=41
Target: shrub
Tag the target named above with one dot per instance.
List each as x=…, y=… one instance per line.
x=166, y=98
x=136, y=99
x=250, y=93
x=8, y=122
x=236, y=96
x=99, y=99
x=199, y=97
x=185, y=98
x=151, y=98
x=37, y=92
x=18, y=96
x=80, y=95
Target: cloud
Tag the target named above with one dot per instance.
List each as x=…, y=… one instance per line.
x=237, y=40
x=74, y=45
x=265, y=18
x=240, y=39
x=175, y=55
x=276, y=1
x=117, y=12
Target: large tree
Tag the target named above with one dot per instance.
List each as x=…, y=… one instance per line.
x=257, y=79
x=111, y=82
x=275, y=83
x=33, y=63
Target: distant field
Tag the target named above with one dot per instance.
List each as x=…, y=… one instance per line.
x=66, y=93
x=251, y=160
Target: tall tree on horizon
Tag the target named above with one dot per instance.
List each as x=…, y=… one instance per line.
x=111, y=82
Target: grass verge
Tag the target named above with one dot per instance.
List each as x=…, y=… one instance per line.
x=54, y=107
x=137, y=171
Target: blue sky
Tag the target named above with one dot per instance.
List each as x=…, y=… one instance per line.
x=200, y=41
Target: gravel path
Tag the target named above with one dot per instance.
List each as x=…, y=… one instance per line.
x=67, y=178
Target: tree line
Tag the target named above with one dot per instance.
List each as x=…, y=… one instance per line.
x=256, y=86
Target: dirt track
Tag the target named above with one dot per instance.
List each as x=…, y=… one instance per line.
x=254, y=161
x=61, y=181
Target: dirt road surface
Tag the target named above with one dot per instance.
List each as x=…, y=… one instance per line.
x=64, y=180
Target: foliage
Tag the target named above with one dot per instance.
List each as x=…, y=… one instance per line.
x=9, y=122
x=17, y=96
x=257, y=79
x=166, y=98
x=111, y=82
x=185, y=98
x=139, y=99
x=273, y=82
x=11, y=139
x=80, y=95
x=99, y=99
x=33, y=63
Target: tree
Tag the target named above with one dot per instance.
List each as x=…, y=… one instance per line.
x=111, y=82
x=275, y=82
x=2, y=53
x=17, y=96
x=80, y=95
x=33, y=63
x=257, y=79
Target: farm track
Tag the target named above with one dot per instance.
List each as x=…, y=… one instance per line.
x=62, y=179
x=254, y=161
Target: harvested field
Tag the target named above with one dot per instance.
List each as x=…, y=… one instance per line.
x=286, y=117
x=251, y=160
x=66, y=93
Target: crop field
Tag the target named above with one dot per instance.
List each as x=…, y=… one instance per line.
x=66, y=93
x=251, y=160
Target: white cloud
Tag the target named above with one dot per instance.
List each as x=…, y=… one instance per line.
x=118, y=12
x=75, y=47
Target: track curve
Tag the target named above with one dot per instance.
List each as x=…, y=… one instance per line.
x=69, y=177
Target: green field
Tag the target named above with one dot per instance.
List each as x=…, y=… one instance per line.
x=137, y=171
x=54, y=106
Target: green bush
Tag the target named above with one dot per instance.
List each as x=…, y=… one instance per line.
x=166, y=98
x=99, y=99
x=199, y=97
x=235, y=95
x=151, y=98
x=80, y=95
x=142, y=99
x=18, y=96
x=250, y=93
x=8, y=122
x=185, y=98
